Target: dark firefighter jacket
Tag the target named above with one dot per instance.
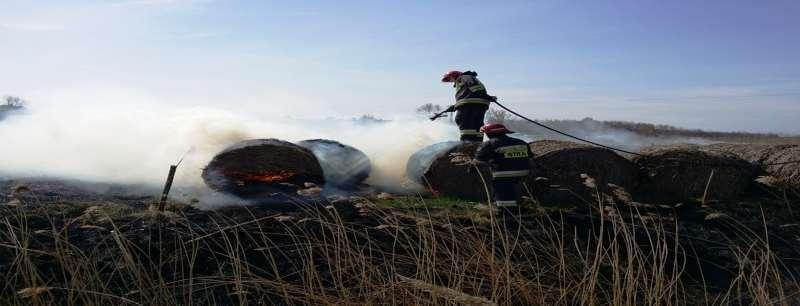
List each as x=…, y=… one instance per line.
x=508, y=156
x=470, y=90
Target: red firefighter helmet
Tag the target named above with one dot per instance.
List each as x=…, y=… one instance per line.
x=451, y=76
x=495, y=129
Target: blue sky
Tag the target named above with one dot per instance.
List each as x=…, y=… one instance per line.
x=723, y=65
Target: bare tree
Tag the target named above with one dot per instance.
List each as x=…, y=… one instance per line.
x=13, y=102
x=429, y=108
x=497, y=116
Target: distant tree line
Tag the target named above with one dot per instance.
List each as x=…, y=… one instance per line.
x=368, y=119
x=661, y=130
x=643, y=129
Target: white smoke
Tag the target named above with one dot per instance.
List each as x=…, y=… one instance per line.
x=80, y=138
x=599, y=132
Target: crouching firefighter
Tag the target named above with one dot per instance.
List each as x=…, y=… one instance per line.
x=472, y=101
x=509, y=159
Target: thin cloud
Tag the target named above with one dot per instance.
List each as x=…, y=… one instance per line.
x=159, y=2
x=33, y=26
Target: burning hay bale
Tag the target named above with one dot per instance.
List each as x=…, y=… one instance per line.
x=434, y=168
x=564, y=163
x=777, y=160
x=681, y=172
x=342, y=165
x=259, y=166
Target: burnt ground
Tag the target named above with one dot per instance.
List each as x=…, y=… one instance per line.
x=49, y=191
x=103, y=238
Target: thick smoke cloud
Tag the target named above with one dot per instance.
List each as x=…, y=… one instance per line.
x=135, y=144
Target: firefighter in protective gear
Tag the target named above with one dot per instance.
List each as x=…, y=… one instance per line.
x=510, y=162
x=472, y=101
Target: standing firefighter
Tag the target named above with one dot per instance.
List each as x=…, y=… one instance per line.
x=510, y=161
x=472, y=101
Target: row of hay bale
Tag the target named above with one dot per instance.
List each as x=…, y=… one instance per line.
x=676, y=172
x=258, y=167
x=560, y=169
x=560, y=163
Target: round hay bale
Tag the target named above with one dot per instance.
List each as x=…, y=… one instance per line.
x=563, y=162
x=433, y=167
x=777, y=160
x=342, y=165
x=419, y=162
x=258, y=166
x=681, y=172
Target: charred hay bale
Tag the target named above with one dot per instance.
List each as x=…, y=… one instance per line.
x=563, y=162
x=343, y=166
x=433, y=167
x=258, y=166
x=776, y=160
x=680, y=172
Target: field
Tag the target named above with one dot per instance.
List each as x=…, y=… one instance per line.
x=204, y=152
x=77, y=243
x=62, y=245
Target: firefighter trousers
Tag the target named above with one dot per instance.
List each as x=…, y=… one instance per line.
x=469, y=119
x=505, y=191
x=505, y=198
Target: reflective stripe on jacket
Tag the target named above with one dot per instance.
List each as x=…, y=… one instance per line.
x=513, y=173
x=470, y=90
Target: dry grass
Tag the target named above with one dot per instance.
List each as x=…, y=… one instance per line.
x=332, y=256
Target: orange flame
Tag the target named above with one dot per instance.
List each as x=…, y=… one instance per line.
x=261, y=177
